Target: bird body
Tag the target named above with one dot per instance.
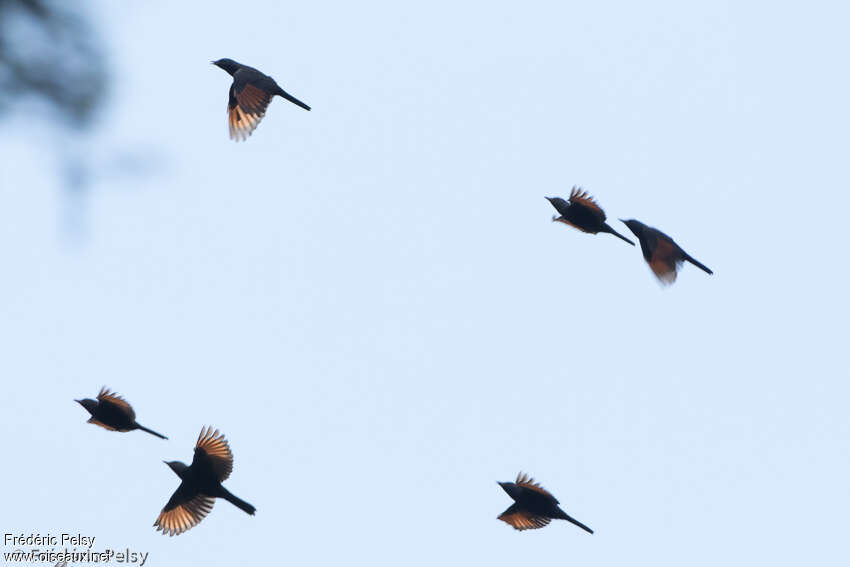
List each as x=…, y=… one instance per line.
x=112, y=412
x=534, y=507
x=661, y=252
x=250, y=95
x=200, y=485
x=581, y=211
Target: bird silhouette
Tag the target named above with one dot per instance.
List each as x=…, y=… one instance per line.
x=112, y=412
x=584, y=213
x=534, y=507
x=200, y=486
x=662, y=254
x=250, y=96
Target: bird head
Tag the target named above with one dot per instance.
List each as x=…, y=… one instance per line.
x=635, y=226
x=228, y=65
x=560, y=205
x=178, y=467
x=511, y=488
x=88, y=403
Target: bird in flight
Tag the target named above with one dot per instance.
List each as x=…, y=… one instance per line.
x=534, y=507
x=250, y=96
x=112, y=412
x=581, y=211
x=662, y=254
x=200, y=486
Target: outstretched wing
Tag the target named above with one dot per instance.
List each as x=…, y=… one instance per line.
x=213, y=447
x=526, y=481
x=184, y=510
x=246, y=107
x=582, y=199
x=522, y=519
x=664, y=259
x=107, y=397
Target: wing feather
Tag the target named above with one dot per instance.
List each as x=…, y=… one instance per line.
x=581, y=198
x=526, y=481
x=107, y=397
x=215, y=446
x=247, y=107
x=183, y=512
x=521, y=519
x=664, y=261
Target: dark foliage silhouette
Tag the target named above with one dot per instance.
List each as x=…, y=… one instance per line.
x=49, y=51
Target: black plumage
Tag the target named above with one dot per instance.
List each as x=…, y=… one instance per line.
x=200, y=486
x=112, y=412
x=661, y=252
x=534, y=507
x=250, y=95
x=581, y=211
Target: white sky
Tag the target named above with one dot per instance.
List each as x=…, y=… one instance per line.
x=371, y=302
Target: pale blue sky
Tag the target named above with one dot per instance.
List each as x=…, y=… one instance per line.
x=371, y=302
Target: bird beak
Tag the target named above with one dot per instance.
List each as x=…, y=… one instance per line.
x=79, y=402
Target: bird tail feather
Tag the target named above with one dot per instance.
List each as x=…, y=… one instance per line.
x=617, y=234
x=151, y=431
x=238, y=502
x=698, y=264
x=292, y=99
x=572, y=520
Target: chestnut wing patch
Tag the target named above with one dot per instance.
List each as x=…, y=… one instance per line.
x=100, y=423
x=215, y=447
x=526, y=481
x=246, y=108
x=664, y=261
x=183, y=512
x=107, y=397
x=568, y=223
x=521, y=519
x=582, y=199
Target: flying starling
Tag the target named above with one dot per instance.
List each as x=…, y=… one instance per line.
x=112, y=412
x=200, y=486
x=662, y=254
x=250, y=95
x=533, y=506
x=583, y=213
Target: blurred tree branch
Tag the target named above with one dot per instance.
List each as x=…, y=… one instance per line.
x=49, y=52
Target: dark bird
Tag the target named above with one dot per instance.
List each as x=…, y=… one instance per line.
x=534, y=507
x=112, y=412
x=200, y=486
x=250, y=96
x=583, y=213
x=662, y=254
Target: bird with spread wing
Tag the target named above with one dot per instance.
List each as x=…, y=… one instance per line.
x=534, y=506
x=200, y=486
